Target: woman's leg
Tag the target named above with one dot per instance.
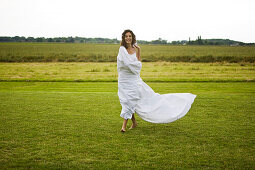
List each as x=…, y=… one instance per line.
x=123, y=129
x=134, y=123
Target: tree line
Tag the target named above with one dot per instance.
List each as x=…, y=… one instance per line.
x=59, y=40
x=198, y=41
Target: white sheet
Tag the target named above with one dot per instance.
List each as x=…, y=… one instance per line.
x=137, y=97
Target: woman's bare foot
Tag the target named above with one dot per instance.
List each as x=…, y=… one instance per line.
x=124, y=125
x=133, y=125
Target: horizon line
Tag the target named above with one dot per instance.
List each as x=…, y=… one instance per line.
x=120, y=39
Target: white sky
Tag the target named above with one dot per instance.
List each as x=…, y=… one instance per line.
x=149, y=19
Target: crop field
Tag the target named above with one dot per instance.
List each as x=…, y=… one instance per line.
x=107, y=71
x=48, y=52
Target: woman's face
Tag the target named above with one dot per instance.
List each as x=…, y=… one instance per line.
x=128, y=38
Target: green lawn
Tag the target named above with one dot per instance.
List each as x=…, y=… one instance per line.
x=73, y=125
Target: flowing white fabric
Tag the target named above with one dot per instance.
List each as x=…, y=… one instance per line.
x=137, y=97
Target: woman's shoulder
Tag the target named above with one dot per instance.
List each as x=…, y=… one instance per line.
x=122, y=47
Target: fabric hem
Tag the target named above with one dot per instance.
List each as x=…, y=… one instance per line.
x=126, y=115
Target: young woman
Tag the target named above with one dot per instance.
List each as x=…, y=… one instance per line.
x=137, y=97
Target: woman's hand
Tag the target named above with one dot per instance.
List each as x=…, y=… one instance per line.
x=138, y=54
x=137, y=47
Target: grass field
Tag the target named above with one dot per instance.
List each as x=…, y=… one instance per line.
x=151, y=71
x=65, y=115
x=70, y=52
x=76, y=125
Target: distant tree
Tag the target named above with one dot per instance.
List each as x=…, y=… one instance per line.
x=69, y=39
x=39, y=39
x=174, y=42
x=57, y=39
x=16, y=38
x=30, y=39
x=6, y=39
x=50, y=40
x=159, y=41
x=199, y=41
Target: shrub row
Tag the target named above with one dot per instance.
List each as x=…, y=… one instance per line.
x=101, y=58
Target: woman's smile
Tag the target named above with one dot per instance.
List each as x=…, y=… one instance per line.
x=128, y=38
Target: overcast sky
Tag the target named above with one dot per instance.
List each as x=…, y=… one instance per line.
x=149, y=19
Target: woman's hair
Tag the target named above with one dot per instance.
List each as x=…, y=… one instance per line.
x=123, y=42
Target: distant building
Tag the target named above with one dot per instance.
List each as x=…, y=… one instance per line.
x=235, y=44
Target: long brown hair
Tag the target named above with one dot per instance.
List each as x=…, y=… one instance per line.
x=123, y=42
